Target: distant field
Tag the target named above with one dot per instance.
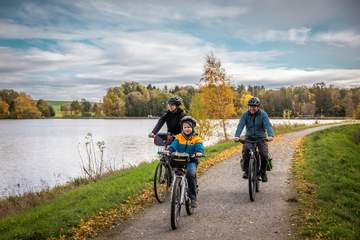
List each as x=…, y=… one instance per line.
x=56, y=105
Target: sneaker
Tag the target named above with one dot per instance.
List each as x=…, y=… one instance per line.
x=264, y=177
x=193, y=203
x=245, y=175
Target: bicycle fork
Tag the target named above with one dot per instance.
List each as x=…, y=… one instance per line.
x=183, y=188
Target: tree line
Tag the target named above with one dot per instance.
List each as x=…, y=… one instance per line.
x=20, y=105
x=132, y=99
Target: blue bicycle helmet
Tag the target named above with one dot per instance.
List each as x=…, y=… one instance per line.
x=254, y=101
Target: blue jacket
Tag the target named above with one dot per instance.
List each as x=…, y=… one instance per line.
x=191, y=146
x=256, y=125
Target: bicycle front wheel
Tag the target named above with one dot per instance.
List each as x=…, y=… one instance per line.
x=257, y=167
x=252, y=178
x=161, y=182
x=176, y=203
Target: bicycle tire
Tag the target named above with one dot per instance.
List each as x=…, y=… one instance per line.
x=175, y=210
x=161, y=182
x=257, y=185
x=251, y=178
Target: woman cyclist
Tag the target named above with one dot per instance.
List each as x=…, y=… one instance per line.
x=171, y=117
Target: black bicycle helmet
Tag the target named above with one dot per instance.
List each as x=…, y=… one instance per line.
x=254, y=101
x=175, y=100
x=188, y=119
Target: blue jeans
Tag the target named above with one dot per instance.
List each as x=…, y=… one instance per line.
x=191, y=179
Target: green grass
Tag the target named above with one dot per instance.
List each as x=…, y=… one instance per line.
x=331, y=171
x=286, y=128
x=211, y=150
x=58, y=215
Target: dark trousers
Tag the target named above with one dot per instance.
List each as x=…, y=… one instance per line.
x=263, y=150
x=191, y=179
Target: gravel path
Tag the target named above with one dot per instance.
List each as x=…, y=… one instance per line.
x=225, y=210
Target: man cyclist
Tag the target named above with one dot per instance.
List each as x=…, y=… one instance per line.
x=171, y=117
x=257, y=125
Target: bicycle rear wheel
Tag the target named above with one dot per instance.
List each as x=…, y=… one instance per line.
x=162, y=182
x=176, y=203
x=252, y=178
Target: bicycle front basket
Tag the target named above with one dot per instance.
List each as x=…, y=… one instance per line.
x=179, y=163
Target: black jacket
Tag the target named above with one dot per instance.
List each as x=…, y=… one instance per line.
x=172, y=120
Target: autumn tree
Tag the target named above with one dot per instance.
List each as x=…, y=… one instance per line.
x=96, y=109
x=75, y=107
x=199, y=110
x=4, y=109
x=25, y=107
x=9, y=96
x=157, y=102
x=217, y=92
x=242, y=99
x=114, y=102
x=357, y=112
x=65, y=109
x=45, y=109
x=135, y=104
x=85, y=108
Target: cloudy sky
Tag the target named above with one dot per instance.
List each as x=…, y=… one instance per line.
x=65, y=49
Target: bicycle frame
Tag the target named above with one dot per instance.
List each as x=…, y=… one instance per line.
x=183, y=186
x=253, y=174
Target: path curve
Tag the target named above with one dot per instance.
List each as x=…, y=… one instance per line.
x=225, y=211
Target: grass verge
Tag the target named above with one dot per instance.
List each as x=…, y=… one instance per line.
x=326, y=172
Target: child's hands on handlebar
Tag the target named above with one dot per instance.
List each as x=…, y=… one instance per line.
x=198, y=154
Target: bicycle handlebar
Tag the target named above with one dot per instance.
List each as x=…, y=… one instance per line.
x=243, y=141
x=180, y=155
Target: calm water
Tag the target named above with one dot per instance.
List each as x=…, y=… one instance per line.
x=35, y=154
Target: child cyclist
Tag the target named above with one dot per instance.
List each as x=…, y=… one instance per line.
x=189, y=142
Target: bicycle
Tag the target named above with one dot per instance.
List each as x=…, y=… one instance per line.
x=253, y=167
x=179, y=195
x=163, y=172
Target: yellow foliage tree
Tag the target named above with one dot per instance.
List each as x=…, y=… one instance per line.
x=244, y=99
x=114, y=102
x=357, y=112
x=198, y=110
x=217, y=92
x=4, y=109
x=25, y=107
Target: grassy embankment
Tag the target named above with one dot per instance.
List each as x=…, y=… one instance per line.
x=84, y=209
x=326, y=174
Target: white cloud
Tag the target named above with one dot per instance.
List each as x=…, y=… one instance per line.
x=277, y=77
x=164, y=58
x=296, y=35
x=341, y=38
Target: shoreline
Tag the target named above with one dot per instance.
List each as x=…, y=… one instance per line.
x=125, y=118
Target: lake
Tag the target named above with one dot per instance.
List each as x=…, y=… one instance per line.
x=35, y=154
